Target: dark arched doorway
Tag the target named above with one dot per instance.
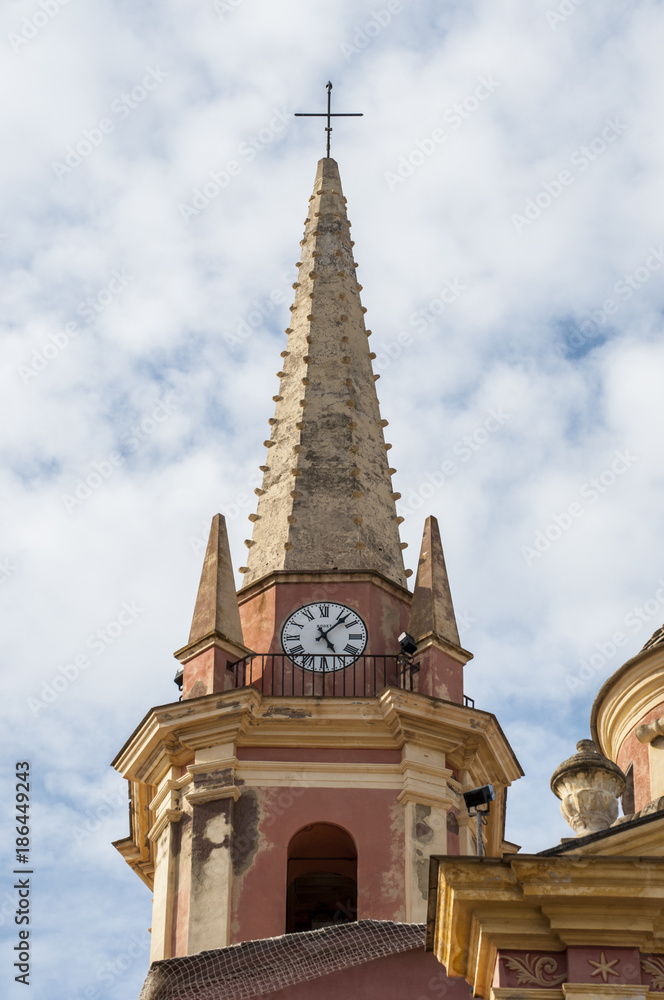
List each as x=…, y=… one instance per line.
x=322, y=878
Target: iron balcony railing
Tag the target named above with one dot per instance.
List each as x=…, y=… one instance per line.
x=322, y=676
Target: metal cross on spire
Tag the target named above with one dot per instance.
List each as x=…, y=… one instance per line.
x=329, y=114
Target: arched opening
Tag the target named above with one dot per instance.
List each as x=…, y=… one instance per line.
x=322, y=878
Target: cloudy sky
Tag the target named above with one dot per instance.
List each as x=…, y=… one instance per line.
x=504, y=189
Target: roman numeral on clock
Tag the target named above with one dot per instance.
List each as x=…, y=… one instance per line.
x=313, y=638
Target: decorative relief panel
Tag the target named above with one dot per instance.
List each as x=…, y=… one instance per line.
x=652, y=968
x=605, y=968
x=610, y=966
x=538, y=969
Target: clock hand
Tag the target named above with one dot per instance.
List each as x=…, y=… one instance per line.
x=323, y=635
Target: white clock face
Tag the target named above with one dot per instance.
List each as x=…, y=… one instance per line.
x=324, y=637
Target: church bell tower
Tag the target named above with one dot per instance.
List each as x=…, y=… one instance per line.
x=314, y=760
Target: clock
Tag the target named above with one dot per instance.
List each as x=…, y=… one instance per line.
x=324, y=637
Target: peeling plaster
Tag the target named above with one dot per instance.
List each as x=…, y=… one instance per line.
x=392, y=880
x=423, y=831
x=244, y=843
x=207, y=778
x=211, y=827
x=288, y=713
x=422, y=871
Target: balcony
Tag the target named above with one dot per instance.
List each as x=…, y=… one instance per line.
x=275, y=674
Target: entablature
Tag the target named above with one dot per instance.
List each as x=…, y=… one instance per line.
x=186, y=753
x=480, y=906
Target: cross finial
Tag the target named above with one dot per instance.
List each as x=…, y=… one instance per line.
x=329, y=114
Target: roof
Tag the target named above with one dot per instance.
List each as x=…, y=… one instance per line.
x=257, y=967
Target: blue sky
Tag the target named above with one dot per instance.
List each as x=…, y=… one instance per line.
x=504, y=187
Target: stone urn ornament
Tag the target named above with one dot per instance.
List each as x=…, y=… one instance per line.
x=588, y=785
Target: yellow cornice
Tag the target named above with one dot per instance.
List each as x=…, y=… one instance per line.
x=330, y=576
x=213, y=640
x=420, y=719
x=170, y=733
x=624, y=699
x=478, y=906
x=457, y=653
x=142, y=865
x=644, y=838
x=213, y=794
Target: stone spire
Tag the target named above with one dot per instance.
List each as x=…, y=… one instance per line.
x=326, y=500
x=216, y=610
x=215, y=638
x=432, y=613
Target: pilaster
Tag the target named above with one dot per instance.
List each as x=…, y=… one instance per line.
x=163, y=908
x=211, y=875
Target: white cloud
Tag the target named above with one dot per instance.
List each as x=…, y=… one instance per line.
x=529, y=333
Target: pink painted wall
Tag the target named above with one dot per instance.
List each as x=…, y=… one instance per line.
x=440, y=676
x=263, y=616
x=209, y=668
x=632, y=750
x=372, y=817
x=412, y=975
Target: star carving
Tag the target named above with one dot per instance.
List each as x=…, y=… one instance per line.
x=604, y=968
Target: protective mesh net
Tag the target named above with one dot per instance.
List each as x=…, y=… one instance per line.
x=257, y=967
